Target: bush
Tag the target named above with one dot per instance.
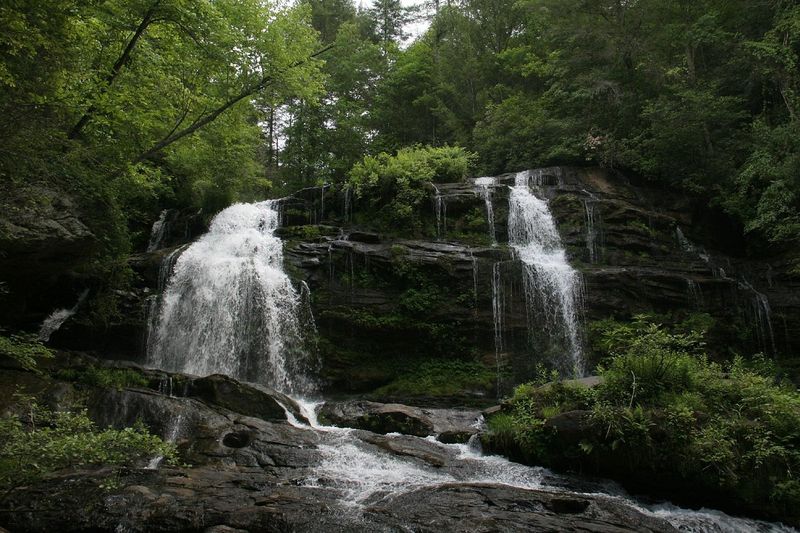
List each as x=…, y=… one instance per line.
x=395, y=186
x=44, y=441
x=441, y=378
x=118, y=378
x=24, y=349
x=667, y=420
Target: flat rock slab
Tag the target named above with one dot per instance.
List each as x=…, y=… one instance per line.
x=447, y=425
x=251, y=500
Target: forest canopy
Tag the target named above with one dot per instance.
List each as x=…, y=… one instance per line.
x=134, y=106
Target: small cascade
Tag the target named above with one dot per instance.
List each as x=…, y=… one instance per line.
x=157, y=233
x=347, y=200
x=498, y=305
x=694, y=293
x=594, y=235
x=762, y=318
x=552, y=286
x=483, y=186
x=474, y=262
x=689, y=247
x=57, y=318
x=440, y=210
x=322, y=204
x=229, y=307
x=174, y=429
x=760, y=311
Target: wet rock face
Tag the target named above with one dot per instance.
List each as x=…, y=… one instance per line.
x=450, y=426
x=42, y=241
x=638, y=250
x=386, y=305
x=252, y=474
x=254, y=500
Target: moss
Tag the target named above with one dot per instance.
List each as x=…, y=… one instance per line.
x=436, y=378
x=93, y=376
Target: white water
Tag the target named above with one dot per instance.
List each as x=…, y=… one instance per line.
x=484, y=190
x=229, y=307
x=498, y=305
x=234, y=275
x=440, y=210
x=594, y=238
x=552, y=286
x=363, y=473
x=56, y=319
x=174, y=430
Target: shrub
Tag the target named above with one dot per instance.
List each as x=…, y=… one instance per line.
x=24, y=349
x=666, y=418
x=395, y=186
x=93, y=376
x=44, y=441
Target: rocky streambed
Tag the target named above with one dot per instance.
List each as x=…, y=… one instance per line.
x=256, y=460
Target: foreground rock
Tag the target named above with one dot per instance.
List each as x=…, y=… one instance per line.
x=210, y=500
x=261, y=473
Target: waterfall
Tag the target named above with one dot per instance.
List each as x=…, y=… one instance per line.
x=594, y=238
x=498, y=304
x=440, y=210
x=759, y=304
x=483, y=186
x=694, y=293
x=157, y=233
x=56, y=319
x=229, y=307
x=552, y=286
x=347, y=201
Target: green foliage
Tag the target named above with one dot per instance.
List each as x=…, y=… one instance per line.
x=24, y=349
x=126, y=122
x=95, y=376
x=397, y=185
x=44, y=441
x=441, y=378
x=664, y=410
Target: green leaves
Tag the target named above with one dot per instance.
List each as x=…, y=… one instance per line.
x=23, y=349
x=54, y=440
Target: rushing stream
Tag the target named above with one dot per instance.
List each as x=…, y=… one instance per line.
x=229, y=307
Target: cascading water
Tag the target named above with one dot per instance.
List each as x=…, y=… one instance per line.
x=594, y=237
x=157, y=233
x=229, y=307
x=760, y=311
x=498, y=305
x=57, y=318
x=440, y=210
x=484, y=190
x=552, y=286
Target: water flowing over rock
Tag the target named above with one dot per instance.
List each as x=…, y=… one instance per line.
x=484, y=190
x=229, y=307
x=55, y=319
x=552, y=286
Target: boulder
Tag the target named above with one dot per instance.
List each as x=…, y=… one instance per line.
x=378, y=417
x=249, y=399
x=450, y=426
